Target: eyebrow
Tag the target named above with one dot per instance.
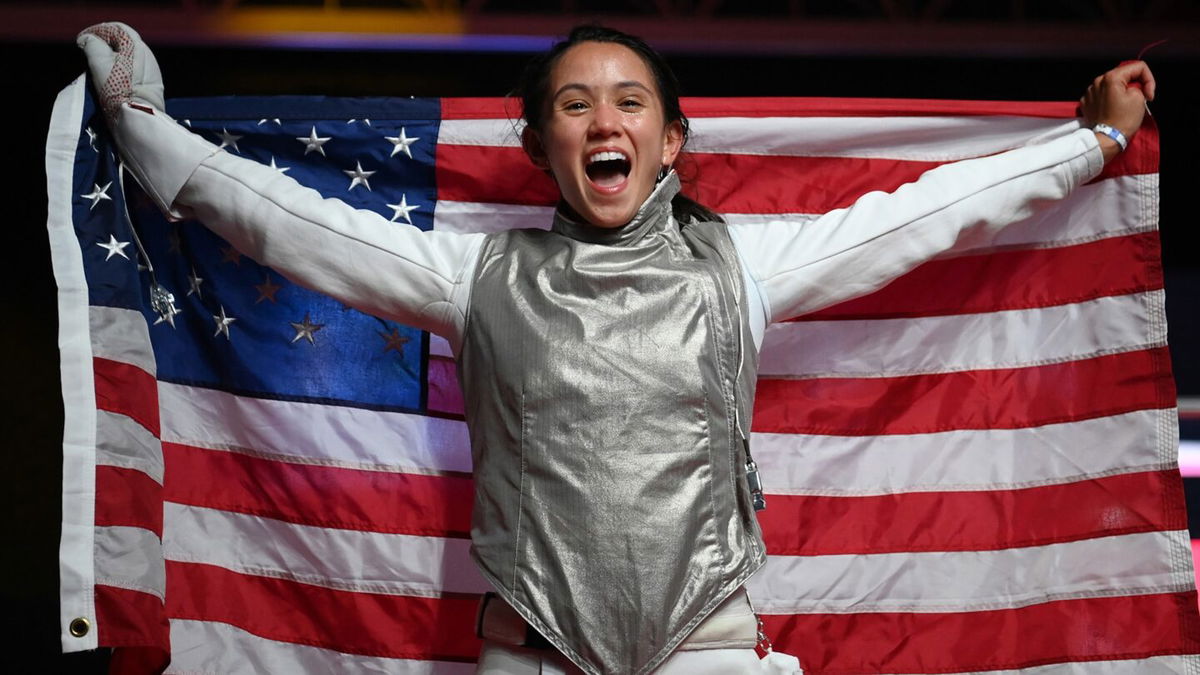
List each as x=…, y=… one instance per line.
x=583, y=87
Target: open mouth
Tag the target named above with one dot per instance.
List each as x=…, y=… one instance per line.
x=608, y=168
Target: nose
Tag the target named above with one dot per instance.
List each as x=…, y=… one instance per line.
x=605, y=121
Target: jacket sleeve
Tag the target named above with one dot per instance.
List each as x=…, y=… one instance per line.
x=389, y=269
x=800, y=267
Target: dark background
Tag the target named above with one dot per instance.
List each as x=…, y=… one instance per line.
x=41, y=59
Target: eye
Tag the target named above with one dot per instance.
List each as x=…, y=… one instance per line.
x=632, y=104
x=574, y=106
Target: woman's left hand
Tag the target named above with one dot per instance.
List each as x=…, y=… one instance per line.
x=1118, y=98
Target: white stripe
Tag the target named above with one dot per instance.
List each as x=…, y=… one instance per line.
x=440, y=346
x=934, y=138
x=75, y=563
x=988, y=459
x=130, y=558
x=122, y=442
x=122, y=335
x=219, y=648
x=1189, y=458
x=927, y=139
x=349, y=560
x=312, y=433
x=1096, y=211
x=964, y=581
x=495, y=133
x=468, y=217
x=1156, y=665
x=940, y=344
x=1100, y=210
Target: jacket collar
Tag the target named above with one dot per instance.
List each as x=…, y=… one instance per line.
x=653, y=215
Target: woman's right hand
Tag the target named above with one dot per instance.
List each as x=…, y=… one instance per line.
x=1118, y=98
x=123, y=68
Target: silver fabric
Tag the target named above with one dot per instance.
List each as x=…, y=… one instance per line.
x=603, y=372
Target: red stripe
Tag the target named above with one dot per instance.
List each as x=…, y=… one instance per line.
x=445, y=396
x=492, y=175
x=128, y=497
x=1093, y=629
x=127, y=390
x=322, y=496
x=128, y=618
x=1004, y=398
x=728, y=183
x=977, y=520
x=1023, y=279
x=507, y=108
x=390, y=626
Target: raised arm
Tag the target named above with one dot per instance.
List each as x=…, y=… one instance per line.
x=385, y=268
x=800, y=267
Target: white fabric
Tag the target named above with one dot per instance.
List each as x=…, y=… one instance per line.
x=75, y=563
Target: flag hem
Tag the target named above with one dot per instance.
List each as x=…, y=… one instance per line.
x=76, y=546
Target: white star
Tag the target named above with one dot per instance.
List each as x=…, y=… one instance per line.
x=228, y=139
x=306, y=329
x=314, y=142
x=358, y=176
x=222, y=322
x=401, y=210
x=355, y=119
x=168, y=316
x=273, y=119
x=114, y=247
x=187, y=123
x=97, y=194
x=280, y=169
x=400, y=143
x=194, y=281
x=91, y=137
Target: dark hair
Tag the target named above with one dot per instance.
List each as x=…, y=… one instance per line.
x=534, y=87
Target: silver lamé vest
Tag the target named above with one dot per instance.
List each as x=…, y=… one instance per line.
x=602, y=370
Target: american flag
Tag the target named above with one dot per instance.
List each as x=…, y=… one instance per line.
x=972, y=469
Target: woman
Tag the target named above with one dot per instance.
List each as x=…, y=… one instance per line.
x=608, y=364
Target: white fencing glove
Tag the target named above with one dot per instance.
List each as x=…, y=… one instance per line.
x=159, y=153
x=122, y=66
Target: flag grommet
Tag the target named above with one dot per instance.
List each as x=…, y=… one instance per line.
x=80, y=626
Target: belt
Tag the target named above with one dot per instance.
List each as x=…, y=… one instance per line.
x=732, y=625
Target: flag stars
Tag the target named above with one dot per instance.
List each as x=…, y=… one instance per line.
x=358, y=176
x=314, y=142
x=267, y=290
x=114, y=247
x=393, y=341
x=230, y=254
x=229, y=140
x=273, y=120
x=98, y=194
x=91, y=137
x=402, y=210
x=223, y=321
x=305, y=329
x=280, y=169
x=400, y=143
x=194, y=281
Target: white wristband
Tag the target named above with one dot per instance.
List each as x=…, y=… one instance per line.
x=1112, y=133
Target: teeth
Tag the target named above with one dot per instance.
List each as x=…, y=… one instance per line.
x=606, y=156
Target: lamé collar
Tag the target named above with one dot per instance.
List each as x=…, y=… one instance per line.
x=650, y=216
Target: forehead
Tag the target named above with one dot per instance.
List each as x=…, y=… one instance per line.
x=600, y=64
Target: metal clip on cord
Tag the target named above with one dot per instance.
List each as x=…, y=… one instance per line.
x=162, y=301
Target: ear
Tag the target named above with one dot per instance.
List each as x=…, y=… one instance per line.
x=532, y=143
x=673, y=144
